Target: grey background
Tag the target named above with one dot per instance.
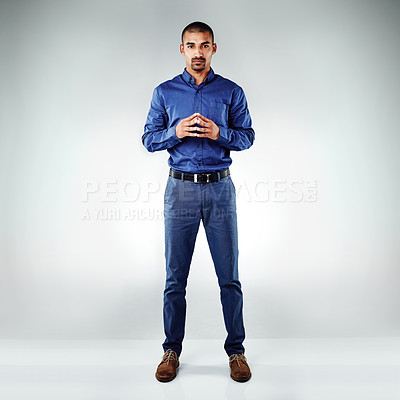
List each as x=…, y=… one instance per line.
x=322, y=83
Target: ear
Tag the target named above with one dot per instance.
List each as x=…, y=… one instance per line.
x=214, y=48
x=181, y=48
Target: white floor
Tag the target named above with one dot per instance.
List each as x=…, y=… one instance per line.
x=283, y=369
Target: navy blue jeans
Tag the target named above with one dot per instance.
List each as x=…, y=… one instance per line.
x=185, y=205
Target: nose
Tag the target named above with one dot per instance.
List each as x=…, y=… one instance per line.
x=199, y=52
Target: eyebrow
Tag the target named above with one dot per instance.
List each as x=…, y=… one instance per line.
x=207, y=42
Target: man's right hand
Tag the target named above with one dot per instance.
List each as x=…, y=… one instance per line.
x=186, y=126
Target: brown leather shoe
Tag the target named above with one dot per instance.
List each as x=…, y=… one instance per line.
x=240, y=370
x=166, y=370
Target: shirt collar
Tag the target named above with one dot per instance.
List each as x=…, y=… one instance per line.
x=190, y=80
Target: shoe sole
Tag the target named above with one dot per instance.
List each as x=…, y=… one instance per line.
x=165, y=379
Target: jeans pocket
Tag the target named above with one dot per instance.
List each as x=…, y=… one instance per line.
x=232, y=185
x=168, y=189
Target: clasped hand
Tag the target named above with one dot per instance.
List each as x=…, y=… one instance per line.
x=207, y=128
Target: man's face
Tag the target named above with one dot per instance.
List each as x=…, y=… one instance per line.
x=198, y=49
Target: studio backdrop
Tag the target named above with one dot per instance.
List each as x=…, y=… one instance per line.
x=82, y=235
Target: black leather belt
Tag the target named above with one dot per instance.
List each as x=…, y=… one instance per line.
x=205, y=177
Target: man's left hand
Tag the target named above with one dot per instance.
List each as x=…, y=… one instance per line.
x=208, y=128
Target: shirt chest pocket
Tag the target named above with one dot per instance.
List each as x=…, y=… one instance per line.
x=218, y=112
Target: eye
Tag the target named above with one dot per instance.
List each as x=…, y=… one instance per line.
x=206, y=45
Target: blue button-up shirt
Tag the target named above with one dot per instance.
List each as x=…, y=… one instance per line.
x=218, y=99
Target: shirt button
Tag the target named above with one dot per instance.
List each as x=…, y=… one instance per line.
x=197, y=108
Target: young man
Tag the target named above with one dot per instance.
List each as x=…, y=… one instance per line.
x=199, y=117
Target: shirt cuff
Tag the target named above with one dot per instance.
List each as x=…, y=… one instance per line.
x=171, y=138
x=223, y=136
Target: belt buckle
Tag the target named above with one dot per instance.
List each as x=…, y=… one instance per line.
x=195, y=177
x=208, y=177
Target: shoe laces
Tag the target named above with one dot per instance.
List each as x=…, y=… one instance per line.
x=237, y=357
x=169, y=355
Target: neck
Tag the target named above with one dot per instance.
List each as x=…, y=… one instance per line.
x=198, y=76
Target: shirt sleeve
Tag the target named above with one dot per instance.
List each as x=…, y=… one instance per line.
x=157, y=136
x=239, y=135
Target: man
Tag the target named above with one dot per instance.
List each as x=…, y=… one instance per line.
x=199, y=117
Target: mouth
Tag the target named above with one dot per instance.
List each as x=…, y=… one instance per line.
x=198, y=61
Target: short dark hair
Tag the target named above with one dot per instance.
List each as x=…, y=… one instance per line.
x=198, y=27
